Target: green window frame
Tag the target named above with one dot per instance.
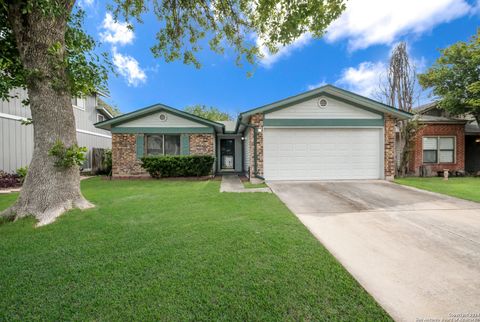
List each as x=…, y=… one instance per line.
x=163, y=144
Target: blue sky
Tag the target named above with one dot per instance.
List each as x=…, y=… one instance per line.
x=352, y=55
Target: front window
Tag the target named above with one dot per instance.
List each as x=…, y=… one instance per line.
x=79, y=102
x=439, y=149
x=100, y=118
x=158, y=144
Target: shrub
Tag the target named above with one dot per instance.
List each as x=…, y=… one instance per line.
x=22, y=173
x=8, y=180
x=67, y=157
x=178, y=165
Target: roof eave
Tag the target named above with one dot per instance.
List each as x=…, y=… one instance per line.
x=334, y=91
x=442, y=122
x=158, y=107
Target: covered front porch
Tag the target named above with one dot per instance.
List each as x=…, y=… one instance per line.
x=230, y=151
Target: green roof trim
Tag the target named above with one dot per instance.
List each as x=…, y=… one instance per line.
x=162, y=130
x=323, y=122
x=153, y=109
x=329, y=91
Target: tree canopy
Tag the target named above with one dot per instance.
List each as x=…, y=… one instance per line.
x=44, y=48
x=455, y=78
x=86, y=70
x=208, y=112
x=185, y=28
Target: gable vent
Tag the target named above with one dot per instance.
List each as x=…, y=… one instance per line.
x=322, y=103
x=163, y=117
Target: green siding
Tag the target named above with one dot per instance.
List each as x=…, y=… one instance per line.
x=140, y=145
x=163, y=130
x=323, y=122
x=185, y=144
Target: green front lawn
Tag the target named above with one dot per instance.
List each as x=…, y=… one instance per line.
x=465, y=188
x=249, y=185
x=173, y=250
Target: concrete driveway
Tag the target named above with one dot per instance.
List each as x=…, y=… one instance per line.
x=417, y=253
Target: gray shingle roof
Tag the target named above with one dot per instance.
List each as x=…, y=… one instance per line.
x=229, y=125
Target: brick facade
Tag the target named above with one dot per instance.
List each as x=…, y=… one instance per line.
x=202, y=144
x=124, y=153
x=124, y=157
x=389, y=149
x=455, y=130
x=257, y=121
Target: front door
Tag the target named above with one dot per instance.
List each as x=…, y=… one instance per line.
x=227, y=154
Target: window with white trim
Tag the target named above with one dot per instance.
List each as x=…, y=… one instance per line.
x=439, y=149
x=100, y=117
x=79, y=102
x=159, y=144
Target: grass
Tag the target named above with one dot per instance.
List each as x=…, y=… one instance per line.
x=465, y=188
x=249, y=185
x=173, y=250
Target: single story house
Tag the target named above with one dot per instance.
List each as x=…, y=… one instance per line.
x=444, y=142
x=324, y=134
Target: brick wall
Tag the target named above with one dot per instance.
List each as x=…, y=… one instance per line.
x=456, y=130
x=256, y=120
x=124, y=153
x=389, y=152
x=124, y=157
x=202, y=144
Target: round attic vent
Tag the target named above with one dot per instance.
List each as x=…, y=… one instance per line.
x=163, y=117
x=322, y=103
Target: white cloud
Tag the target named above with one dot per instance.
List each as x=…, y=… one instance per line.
x=86, y=3
x=369, y=22
x=317, y=85
x=269, y=59
x=363, y=79
x=116, y=32
x=129, y=68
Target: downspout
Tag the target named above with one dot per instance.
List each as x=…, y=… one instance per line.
x=255, y=164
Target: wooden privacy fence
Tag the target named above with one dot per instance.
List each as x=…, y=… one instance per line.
x=98, y=156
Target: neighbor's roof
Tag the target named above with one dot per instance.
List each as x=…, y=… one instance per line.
x=425, y=107
x=229, y=125
x=107, y=125
x=440, y=119
x=107, y=109
x=472, y=128
x=330, y=91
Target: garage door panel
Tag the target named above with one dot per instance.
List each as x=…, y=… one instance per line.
x=322, y=154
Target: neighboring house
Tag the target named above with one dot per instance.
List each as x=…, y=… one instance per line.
x=326, y=133
x=16, y=140
x=445, y=142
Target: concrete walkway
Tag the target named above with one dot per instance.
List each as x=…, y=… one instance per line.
x=232, y=183
x=416, y=252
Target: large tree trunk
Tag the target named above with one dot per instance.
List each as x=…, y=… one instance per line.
x=48, y=191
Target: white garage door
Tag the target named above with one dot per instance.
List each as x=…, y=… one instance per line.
x=322, y=154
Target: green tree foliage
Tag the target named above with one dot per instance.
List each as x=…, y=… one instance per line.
x=455, y=78
x=189, y=25
x=185, y=27
x=86, y=70
x=209, y=113
x=68, y=156
x=43, y=48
